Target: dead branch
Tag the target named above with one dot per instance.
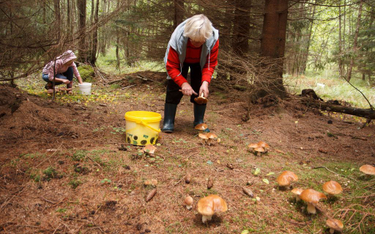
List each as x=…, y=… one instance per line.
x=369, y=114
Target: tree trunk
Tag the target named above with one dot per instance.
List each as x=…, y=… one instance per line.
x=94, y=45
x=178, y=12
x=57, y=18
x=305, y=58
x=241, y=28
x=82, y=55
x=273, y=45
x=355, y=43
x=366, y=113
x=341, y=73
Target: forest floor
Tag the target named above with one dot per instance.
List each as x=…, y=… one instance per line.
x=66, y=166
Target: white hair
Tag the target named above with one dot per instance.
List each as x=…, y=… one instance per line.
x=198, y=28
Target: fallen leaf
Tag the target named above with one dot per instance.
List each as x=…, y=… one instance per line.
x=256, y=172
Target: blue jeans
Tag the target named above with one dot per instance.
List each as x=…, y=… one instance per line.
x=68, y=75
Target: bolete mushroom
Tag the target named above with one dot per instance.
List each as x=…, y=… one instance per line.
x=332, y=188
x=201, y=127
x=210, y=205
x=263, y=145
x=258, y=148
x=203, y=136
x=207, y=137
x=188, y=202
x=367, y=169
x=149, y=149
x=201, y=99
x=297, y=192
x=285, y=179
x=311, y=197
x=334, y=225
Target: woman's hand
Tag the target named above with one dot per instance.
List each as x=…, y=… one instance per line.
x=204, y=89
x=187, y=90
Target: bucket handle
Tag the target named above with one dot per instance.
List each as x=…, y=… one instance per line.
x=145, y=124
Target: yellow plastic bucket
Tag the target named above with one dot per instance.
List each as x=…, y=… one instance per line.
x=142, y=127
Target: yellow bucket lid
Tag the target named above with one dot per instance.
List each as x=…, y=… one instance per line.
x=146, y=116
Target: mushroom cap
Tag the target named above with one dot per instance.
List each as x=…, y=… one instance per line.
x=212, y=135
x=263, y=144
x=286, y=177
x=253, y=145
x=311, y=196
x=260, y=149
x=211, y=204
x=297, y=191
x=200, y=100
x=367, y=169
x=150, y=149
x=203, y=136
x=188, y=200
x=335, y=224
x=201, y=127
x=332, y=187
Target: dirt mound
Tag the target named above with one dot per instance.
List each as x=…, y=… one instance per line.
x=27, y=120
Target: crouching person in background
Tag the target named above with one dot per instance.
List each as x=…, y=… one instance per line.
x=62, y=69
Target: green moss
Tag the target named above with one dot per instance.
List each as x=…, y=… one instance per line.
x=87, y=73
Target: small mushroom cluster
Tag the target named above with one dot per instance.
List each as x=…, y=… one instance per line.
x=311, y=196
x=207, y=137
x=258, y=148
x=206, y=206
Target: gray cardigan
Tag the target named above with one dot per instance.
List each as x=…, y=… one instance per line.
x=178, y=42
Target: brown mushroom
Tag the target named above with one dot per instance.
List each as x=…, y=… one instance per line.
x=212, y=136
x=258, y=148
x=297, y=192
x=334, y=225
x=210, y=205
x=201, y=99
x=332, y=188
x=311, y=197
x=263, y=145
x=204, y=137
x=367, y=169
x=285, y=178
x=149, y=149
x=201, y=127
x=188, y=202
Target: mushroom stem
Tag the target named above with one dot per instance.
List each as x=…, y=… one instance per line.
x=331, y=230
x=206, y=218
x=311, y=208
x=189, y=207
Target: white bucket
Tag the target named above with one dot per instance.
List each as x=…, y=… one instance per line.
x=85, y=88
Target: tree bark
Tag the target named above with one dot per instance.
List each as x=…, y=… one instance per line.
x=178, y=12
x=94, y=45
x=57, y=18
x=355, y=43
x=273, y=44
x=241, y=28
x=82, y=52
